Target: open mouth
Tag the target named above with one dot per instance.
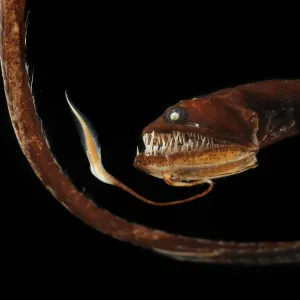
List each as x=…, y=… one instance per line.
x=177, y=142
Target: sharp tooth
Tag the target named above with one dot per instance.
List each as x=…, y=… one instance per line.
x=137, y=150
x=158, y=138
x=176, y=141
x=170, y=146
x=197, y=144
x=180, y=138
x=152, y=139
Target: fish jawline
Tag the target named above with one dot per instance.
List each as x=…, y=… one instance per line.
x=191, y=172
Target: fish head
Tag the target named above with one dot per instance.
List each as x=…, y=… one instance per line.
x=206, y=137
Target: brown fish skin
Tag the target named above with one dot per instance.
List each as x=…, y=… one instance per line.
x=22, y=113
x=226, y=130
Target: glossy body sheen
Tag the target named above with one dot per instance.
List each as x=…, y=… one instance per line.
x=208, y=137
x=33, y=142
x=220, y=133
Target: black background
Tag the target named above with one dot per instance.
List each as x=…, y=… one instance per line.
x=122, y=70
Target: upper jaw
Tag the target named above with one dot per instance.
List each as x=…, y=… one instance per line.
x=158, y=143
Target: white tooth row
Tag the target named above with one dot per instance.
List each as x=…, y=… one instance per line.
x=167, y=144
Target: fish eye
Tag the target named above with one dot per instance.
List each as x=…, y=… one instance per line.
x=175, y=114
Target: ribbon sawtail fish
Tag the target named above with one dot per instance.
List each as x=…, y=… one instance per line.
x=207, y=137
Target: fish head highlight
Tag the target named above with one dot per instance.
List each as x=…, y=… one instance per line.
x=200, y=138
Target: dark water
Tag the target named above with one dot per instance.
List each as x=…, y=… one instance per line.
x=120, y=85
x=123, y=77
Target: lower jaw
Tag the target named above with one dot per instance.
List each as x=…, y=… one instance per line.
x=204, y=171
x=221, y=170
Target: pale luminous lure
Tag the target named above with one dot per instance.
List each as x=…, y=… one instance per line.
x=208, y=137
x=93, y=152
x=224, y=116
